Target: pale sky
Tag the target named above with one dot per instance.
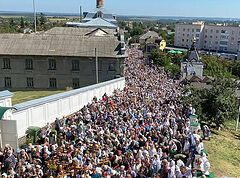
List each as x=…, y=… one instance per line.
x=185, y=8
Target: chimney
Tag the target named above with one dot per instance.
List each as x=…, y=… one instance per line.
x=102, y=4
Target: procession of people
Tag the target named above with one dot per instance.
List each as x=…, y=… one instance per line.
x=141, y=131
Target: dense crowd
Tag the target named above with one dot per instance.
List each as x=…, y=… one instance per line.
x=141, y=131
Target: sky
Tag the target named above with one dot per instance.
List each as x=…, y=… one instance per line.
x=184, y=8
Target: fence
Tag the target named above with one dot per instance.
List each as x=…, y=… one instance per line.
x=41, y=111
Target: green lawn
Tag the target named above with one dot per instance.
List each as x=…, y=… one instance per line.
x=22, y=96
x=224, y=151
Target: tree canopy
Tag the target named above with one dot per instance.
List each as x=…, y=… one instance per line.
x=217, y=105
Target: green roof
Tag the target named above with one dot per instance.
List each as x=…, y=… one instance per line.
x=194, y=116
x=173, y=52
x=3, y=110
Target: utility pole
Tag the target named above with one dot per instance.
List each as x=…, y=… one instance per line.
x=238, y=117
x=35, y=16
x=81, y=14
x=96, y=65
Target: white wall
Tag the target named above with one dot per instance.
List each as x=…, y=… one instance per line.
x=39, y=112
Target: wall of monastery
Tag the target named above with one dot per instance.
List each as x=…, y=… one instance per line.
x=41, y=111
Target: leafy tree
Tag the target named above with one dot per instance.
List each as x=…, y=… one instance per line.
x=236, y=68
x=11, y=23
x=136, y=31
x=218, y=105
x=214, y=66
x=159, y=58
x=174, y=69
x=134, y=39
x=42, y=19
x=22, y=24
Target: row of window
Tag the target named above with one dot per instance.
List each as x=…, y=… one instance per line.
x=30, y=82
x=197, y=30
x=52, y=64
x=210, y=30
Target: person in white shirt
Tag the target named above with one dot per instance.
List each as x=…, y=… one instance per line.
x=186, y=147
x=202, y=167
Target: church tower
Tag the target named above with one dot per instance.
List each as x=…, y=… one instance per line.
x=192, y=63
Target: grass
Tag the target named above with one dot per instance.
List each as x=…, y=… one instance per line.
x=224, y=151
x=23, y=96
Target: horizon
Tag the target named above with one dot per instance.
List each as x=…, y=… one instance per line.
x=122, y=15
x=160, y=8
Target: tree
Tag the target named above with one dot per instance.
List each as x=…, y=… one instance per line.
x=11, y=23
x=217, y=105
x=159, y=58
x=22, y=24
x=137, y=31
x=174, y=69
x=236, y=68
x=42, y=19
x=214, y=65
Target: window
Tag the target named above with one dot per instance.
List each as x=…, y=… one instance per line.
x=7, y=82
x=111, y=67
x=29, y=64
x=232, y=39
x=184, y=29
x=205, y=36
x=198, y=30
x=76, y=83
x=211, y=31
x=192, y=30
x=6, y=63
x=52, y=83
x=188, y=29
x=52, y=64
x=30, y=83
x=223, y=43
x=197, y=35
x=210, y=36
x=75, y=65
x=217, y=31
x=223, y=31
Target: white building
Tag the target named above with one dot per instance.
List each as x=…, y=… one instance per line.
x=219, y=38
x=192, y=64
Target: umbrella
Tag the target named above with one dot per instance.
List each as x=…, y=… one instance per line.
x=179, y=52
x=172, y=51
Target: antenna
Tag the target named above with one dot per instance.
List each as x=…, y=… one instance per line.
x=80, y=13
x=35, y=16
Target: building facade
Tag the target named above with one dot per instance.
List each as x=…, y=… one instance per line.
x=220, y=38
x=59, y=58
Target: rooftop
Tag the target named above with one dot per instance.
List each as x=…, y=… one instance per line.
x=62, y=41
x=149, y=34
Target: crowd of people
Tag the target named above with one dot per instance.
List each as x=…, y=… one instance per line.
x=141, y=131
